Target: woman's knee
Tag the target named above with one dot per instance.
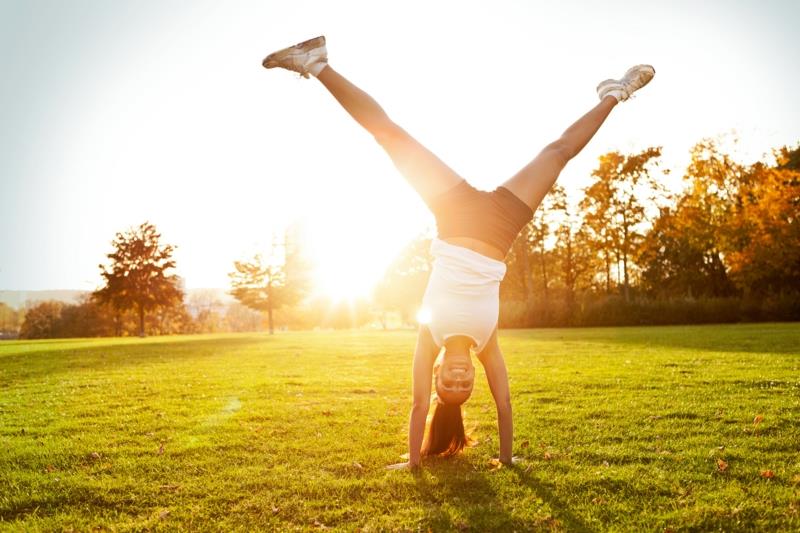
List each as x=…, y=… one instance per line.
x=388, y=134
x=560, y=151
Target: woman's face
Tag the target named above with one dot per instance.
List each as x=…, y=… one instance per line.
x=455, y=377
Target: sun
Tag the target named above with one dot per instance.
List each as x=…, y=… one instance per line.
x=339, y=281
x=351, y=240
x=346, y=266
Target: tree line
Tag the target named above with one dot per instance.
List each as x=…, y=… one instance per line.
x=726, y=248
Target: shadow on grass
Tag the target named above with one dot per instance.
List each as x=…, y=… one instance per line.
x=455, y=483
x=560, y=508
x=478, y=506
x=48, y=362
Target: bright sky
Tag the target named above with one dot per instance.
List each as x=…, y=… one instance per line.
x=113, y=113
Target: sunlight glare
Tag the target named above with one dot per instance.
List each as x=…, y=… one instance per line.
x=347, y=266
x=424, y=316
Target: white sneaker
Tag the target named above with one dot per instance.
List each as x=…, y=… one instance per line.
x=633, y=80
x=308, y=57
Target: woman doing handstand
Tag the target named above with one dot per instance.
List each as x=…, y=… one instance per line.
x=475, y=231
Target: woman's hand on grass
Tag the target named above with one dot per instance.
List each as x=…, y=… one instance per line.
x=403, y=466
x=513, y=461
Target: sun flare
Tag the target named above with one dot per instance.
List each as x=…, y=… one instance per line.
x=346, y=266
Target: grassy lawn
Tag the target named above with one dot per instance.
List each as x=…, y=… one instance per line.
x=626, y=429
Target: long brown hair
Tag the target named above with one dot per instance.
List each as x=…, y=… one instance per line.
x=444, y=432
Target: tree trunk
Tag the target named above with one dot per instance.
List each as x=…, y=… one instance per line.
x=626, y=290
x=141, y=321
x=526, y=281
x=544, y=270
x=269, y=308
x=569, y=279
x=269, y=315
x=625, y=276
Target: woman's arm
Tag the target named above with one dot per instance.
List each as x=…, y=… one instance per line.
x=422, y=370
x=497, y=376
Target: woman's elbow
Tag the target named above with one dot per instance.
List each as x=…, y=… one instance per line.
x=504, y=406
x=420, y=406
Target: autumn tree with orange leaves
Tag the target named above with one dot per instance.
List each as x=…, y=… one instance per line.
x=139, y=276
x=615, y=208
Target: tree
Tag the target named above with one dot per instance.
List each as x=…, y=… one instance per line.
x=615, y=206
x=241, y=318
x=572, y=251
x=41, y=320
x=404, y=282
x=705, y=209
x=673, y=264
x=517, y=285
x=9, y=321
x=541, y=228
x=138, y=276
x=87, y=318
x=788, y=158
x=530, y=258
x=207, y=310
x=763, y=245
x=269, y=284
x=597, y=219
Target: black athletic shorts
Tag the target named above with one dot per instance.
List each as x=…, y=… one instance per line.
x=495, y=217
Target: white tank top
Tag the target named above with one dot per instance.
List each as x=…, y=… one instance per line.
x=463, y=294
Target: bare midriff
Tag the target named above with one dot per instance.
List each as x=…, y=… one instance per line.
x=477, y=246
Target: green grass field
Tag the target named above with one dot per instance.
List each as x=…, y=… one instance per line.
x=626, y=429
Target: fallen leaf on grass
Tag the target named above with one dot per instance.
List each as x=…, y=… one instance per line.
x=319, y=524
x=358, y=465
x=756, y=421
x=276, y=510
x=722, y=465
x=50, y=469
x=327, y=413
x=169, y=487
x=548, y=456
x=95, y=455
x=599, y=500
x=767, y=474
x=796, y=479
x=163, y=514
x=524, y=444
x=495, y=464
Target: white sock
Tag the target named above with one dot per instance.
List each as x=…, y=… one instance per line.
x=316, y=68
x=616, y=93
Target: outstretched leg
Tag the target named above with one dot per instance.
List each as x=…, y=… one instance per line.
x=532, y=183
x=424, y=171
